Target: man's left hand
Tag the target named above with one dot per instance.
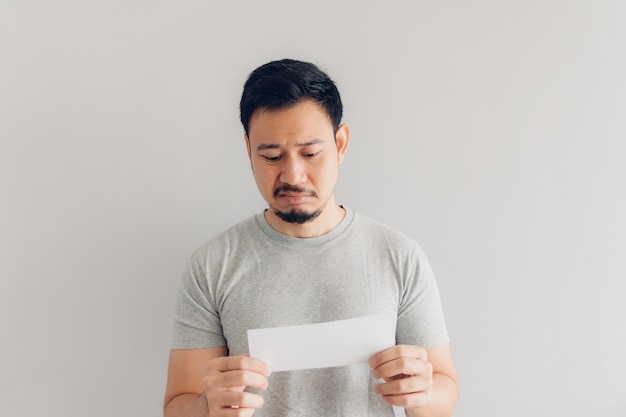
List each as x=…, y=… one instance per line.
x=407, y=373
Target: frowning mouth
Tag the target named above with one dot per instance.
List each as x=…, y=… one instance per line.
x=287, y=190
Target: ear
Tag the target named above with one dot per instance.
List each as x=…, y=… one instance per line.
x=342, y=138
x=248, y=145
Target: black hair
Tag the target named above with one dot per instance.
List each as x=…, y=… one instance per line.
x=283, y=83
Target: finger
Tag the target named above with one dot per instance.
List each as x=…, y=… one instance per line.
x=230, y=403
x=398, y=351
x=403, y=386
x=236, y=412
x=231, y=412
x=233, y=363
x=235, y=380
x=402, y=366
x=414, y=400
x=229, y=399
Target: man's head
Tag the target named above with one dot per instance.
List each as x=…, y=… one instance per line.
x=291, y=113
x=281, y=84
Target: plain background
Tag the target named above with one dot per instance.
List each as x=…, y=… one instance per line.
x=490, y=131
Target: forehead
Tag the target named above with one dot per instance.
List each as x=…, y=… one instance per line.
x=304, y=120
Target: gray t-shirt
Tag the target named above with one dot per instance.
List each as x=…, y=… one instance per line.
x=251, y=276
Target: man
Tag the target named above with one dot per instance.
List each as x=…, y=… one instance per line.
x=304, y=260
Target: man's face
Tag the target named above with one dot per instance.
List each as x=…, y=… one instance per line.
x=295, y=159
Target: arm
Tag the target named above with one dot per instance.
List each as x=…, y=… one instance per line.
x=208, y=382
x=423, y=381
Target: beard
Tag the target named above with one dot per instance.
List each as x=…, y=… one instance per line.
x=298, y=216
x=294, y=215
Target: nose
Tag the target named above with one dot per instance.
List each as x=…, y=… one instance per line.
x=293, y=171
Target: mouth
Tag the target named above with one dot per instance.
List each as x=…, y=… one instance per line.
x=293, y=195
x=288, y=192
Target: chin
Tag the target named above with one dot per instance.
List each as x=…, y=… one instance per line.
x=297, y=216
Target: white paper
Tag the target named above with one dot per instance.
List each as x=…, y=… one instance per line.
x=323, y=345
x=335, y=343
x=398, y=411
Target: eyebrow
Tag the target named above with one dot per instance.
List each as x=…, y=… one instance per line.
x=264, y=146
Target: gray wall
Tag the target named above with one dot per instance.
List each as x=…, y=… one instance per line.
x=492, y=132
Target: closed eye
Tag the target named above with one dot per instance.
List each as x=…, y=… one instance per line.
x=271, y=158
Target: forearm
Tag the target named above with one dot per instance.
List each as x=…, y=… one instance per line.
x=187, y=405
x=445, y=392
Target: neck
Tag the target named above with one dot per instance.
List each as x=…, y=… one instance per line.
x=330, y=217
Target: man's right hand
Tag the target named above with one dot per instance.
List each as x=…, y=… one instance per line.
x=209, y=383
x=224, y=383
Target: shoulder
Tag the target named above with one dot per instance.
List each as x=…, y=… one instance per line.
x=376, y=231
x=228, y=239
x=395, y=247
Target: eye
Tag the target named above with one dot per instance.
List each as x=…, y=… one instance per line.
x=271, y=158
x=312, y=154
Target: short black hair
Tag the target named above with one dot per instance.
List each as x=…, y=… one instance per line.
x=283, y=83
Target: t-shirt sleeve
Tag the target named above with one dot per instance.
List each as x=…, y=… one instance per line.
x=196, y=320
x=420, y=316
